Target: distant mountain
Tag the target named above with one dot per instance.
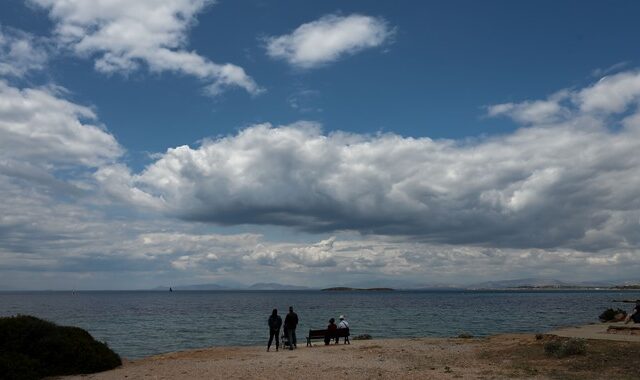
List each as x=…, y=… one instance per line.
x=348, y=289
x=438, y=287
x=275, y=286
x=597, y=284
x=522, y=282
x=194, y=287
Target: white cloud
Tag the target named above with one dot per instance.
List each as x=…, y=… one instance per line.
x=295, y=257
x=612, y=94
x=571, y=183
x=39, y=126
x=20, y=53
x=531, y=112
x=124, y=34
x=329, y=39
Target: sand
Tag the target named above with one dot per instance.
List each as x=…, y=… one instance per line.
x=601, y=331
x=497, y=357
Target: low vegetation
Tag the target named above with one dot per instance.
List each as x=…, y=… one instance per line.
x=528, y=358
x=31, y=348
x=561, y=348
x=611, y=315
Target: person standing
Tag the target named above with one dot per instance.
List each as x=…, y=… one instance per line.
x=290, y=324
x=274, y=328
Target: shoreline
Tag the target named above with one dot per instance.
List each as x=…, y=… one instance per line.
x=496, y=356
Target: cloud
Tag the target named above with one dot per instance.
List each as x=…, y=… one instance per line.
x=305, y=101
x=20, y=53
x=38, y=126
x=329, y=39
x=294, y=257
x=532, y=112
x=568, y=183
x=122, y=35
x=610, y=95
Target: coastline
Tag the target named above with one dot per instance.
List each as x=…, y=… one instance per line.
x=499, y=356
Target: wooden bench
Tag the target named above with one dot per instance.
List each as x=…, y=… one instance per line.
x=321, y=334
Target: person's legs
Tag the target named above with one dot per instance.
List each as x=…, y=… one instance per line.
x=277, y=333
x=290, y=334
x=271, y=333
x=293, y=336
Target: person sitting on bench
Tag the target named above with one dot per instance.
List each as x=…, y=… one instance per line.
x=331, y=331
x=635, y=314
x=343, y=324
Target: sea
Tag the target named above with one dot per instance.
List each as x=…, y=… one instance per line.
x=141, y=323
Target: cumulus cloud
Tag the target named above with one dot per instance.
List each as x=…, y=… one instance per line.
x=570, y=183
x=610, y=95
x=124, y=34
x=533, y=112
x=48, y=148
x=294, y=256
x=38, y=125
x=328, y=39
x=20, y=53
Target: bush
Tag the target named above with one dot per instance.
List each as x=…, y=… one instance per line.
x=561, y=348
x=612, y=315
x=31, y=348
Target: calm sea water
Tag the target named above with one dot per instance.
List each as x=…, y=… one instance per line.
x=139, y=323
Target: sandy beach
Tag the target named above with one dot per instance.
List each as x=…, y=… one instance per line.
x=496, y=357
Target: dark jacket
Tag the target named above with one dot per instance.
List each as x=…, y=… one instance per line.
x=291, y=320
x=275, y=322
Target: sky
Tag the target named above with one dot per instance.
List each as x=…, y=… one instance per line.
x=175, y=142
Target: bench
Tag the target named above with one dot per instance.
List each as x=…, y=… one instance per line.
x=321, y=334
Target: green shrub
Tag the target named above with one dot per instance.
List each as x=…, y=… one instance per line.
x=612, y=315
x=31, y=348
x=561, y=348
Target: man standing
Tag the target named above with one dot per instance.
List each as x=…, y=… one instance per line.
x=274, y=323
x=290, y=324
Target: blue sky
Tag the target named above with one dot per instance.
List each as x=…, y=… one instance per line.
x=186, y=141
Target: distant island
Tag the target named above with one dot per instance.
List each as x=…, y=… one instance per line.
x=523, y=284
x=257, y=286
x=347, y=289
x=623, y=287
x=275, y=286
